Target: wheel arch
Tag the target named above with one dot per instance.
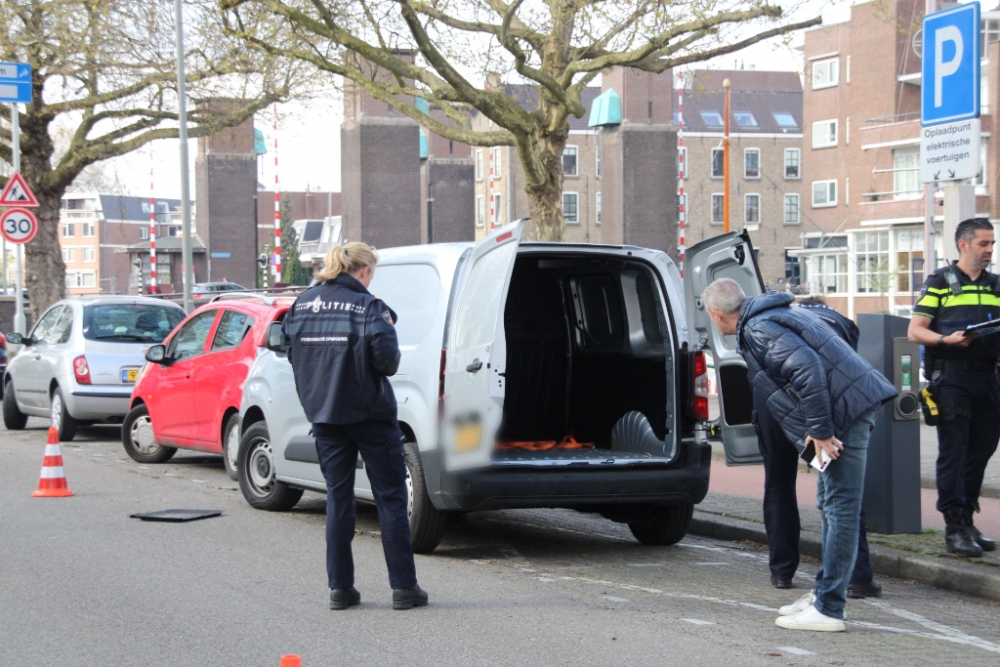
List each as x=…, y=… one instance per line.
x=407, y=430
x=253, y=415
x=230, y=411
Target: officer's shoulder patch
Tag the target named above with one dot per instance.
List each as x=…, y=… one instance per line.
x=923, y=290
x=387, y=316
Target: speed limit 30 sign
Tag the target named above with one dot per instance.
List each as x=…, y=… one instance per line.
x=18, y=225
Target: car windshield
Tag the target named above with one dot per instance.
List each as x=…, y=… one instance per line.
x=139, y=322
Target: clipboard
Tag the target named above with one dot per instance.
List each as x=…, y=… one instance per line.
x=983, y=328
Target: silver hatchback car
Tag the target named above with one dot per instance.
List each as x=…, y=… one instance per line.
x=81, y=360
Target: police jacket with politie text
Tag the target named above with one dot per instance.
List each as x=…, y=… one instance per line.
x=953, y=303
x=814, y=382
x=342, y=345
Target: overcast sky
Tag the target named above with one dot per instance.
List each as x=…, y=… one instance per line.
x=309, y=134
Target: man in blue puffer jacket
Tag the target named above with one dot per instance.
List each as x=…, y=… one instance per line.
x=826, y=397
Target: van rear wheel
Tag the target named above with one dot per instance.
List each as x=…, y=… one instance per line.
x=665, y=525
x=426, y=521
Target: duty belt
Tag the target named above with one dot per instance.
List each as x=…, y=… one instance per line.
x=973, y=365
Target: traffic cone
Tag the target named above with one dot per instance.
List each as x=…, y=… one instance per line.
x=53, y=481
x=290, y=661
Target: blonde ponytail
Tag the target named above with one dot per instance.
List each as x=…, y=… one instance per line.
x=347, y=259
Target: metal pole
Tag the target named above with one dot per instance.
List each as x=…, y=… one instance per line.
x=725, y=163
x=930, y=260
x=15, y=140
x=187, y=260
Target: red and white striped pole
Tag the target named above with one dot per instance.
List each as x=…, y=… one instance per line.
x=152, y=230
x=681, y=173
x=277, y=205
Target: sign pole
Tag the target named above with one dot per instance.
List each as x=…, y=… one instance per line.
x=15, y=140
x=930, y=250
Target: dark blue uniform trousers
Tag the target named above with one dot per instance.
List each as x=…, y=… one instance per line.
x=966, y=445
x=781, y=508
x=381, y=447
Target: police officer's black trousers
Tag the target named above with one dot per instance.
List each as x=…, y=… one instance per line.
x=965, y=445
x=781, y=508
x=381, y=448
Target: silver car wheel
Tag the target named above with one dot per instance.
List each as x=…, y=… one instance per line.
x=260, y=466
x=142, y=436
x=56, y=412
x=233, y=445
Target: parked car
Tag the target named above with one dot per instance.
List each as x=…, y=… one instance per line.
x=3, y=359
x=188, y=396
x=567, y=378
x=81, y=359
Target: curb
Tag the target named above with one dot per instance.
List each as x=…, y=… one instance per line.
x=946, y=573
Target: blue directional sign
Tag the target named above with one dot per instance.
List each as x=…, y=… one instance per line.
x=950, y=86
x=15, y=83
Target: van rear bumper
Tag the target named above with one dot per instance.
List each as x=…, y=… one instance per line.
x=505, y=487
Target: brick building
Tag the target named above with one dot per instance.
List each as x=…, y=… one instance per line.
x=765, y=148
x=863, y=207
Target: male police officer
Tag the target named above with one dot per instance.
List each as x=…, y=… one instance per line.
x=963, y=368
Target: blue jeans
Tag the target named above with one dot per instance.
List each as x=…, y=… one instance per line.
x=838, y=497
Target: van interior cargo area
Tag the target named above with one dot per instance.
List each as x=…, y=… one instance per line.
x=586, y=359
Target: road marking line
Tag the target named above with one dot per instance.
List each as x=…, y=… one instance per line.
x=941, y=631
x=795, y=651
x=695, y=621
x=614, y=599
x=717, y=563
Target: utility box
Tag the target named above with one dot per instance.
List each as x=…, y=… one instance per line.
x=892, y=478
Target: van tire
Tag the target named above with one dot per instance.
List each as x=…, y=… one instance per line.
x=255, y=469
x=666, y=525
x=426, y=521
x=138, y=441
x=13, y=418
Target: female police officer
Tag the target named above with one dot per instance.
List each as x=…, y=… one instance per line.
x=341, y=342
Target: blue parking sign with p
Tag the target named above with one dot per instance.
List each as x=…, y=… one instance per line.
x=951, y=45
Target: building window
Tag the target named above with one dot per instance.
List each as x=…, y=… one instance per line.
x=909, y=260
x=751, y=163
x=784, y=119
x=69, y=254
x=825, y=73
x=745, y=119
x=751, y=209
x=872, y=251
x=68, y=229
x=718, y=208
x=570, y=205
x=792, y=209
x=89, y=279
x=480, y=210
x=479, y=164
x=824, y=193
x=87, y=229
x=906, y=173
x=497, y=203
x=825, y=133
x=89, y=254
x=793, y=157
x=569, y=161
x=826, y=273
x=173, y=230
x=143, y=233
x=712, y=118
x=597, y=157
x=496, y=161
x=718, y=171
x=597, y=208
x=682, y=156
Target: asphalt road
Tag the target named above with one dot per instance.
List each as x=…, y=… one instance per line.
x=83, y=584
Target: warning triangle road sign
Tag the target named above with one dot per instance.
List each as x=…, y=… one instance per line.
x=17, y=192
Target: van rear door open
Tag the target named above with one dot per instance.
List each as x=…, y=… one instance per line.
x=727, y=256
x=476, y=351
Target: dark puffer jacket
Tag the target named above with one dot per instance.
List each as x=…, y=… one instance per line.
x=815, y=383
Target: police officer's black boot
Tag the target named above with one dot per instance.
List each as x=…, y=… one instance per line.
x=956, y=535
x=985, y=543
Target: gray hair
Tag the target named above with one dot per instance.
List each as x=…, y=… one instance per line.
x=724, y=295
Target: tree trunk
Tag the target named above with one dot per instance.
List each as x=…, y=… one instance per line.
x=541, y=158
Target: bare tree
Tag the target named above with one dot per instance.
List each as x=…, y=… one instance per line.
x=107, y=70
x=559, y=46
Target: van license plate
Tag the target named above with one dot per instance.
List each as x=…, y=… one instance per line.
x=129, y=375
x=467, y=437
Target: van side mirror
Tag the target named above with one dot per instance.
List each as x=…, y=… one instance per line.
x=275, y=338
x=18, y=339
x=156, y=354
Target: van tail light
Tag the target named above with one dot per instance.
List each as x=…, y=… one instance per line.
x=444, y=360
x=81, y=370
x=699, y=388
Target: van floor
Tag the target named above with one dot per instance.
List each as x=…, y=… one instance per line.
x=588, y=455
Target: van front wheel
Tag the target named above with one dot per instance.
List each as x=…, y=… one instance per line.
x=665, y=525
x=426, y=521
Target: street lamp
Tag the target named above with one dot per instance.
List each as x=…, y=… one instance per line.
x=187, y=260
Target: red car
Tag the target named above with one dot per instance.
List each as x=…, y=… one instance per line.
x=188, y=393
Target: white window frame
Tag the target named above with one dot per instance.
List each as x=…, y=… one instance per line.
x=497, y=172
x=711, y=163
x=746, y=209
x=722, y=208
x=91, y=252
x=737, y=114
x=597, y=208
x=87, y=274
x=711, y=111
x=576, y=153
x=85, y=226
x=69, y=254
x=497, y=204
x=480, y=210
x=479, y=165
x=68, y=229
x=831, y=66
x=597, y=158
x=830, y=202
x=576, y=220
x=144, y=233
x=787, y=199
x=827, y=142
x=798, y=166
x=746, y=175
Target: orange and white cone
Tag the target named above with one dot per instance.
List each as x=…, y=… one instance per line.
x=53, y=481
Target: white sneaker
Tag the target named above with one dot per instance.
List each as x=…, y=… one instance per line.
x=799, y=606
x=811, y=619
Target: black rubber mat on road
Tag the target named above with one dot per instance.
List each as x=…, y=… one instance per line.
x=176, y=515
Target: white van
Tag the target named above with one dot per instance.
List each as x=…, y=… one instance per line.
x=512, y=349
